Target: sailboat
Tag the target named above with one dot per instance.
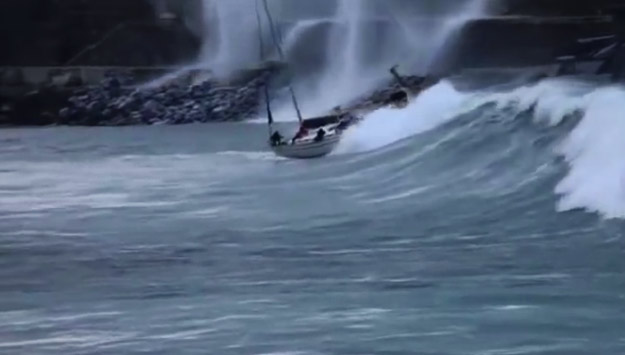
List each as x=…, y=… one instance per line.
x=317, y=136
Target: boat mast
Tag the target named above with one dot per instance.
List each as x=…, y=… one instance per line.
x=269, y=114
x=261, y=42
x=276, y=42
x=261, y=49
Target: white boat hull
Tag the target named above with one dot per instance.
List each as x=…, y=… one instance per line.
x=308, y=149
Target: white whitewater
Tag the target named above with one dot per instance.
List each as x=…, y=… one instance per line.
x=593, y=150
x=434, y=107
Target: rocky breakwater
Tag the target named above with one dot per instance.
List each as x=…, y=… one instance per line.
x=116, y=102
x=119, y=100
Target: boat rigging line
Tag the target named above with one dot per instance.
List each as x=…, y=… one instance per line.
x=276, y=42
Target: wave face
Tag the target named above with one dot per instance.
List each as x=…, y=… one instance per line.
x=595, y=178
x=492, y=216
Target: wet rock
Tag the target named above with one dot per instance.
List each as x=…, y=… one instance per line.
x=117, y=100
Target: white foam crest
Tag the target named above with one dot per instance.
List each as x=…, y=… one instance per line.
x=595, y=181
x=594, y=149
x=434, y=107
x=551, y=99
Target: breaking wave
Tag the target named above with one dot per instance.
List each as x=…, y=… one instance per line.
x=592, y=142
x=434, y=107
x=593, y=148
x=469, y=193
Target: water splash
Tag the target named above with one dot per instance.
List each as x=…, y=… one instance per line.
x=230, y=35
x=434, y=107
x=350, y=44
x=343, y=77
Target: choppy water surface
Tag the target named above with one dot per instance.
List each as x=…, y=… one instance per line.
x=468, y=223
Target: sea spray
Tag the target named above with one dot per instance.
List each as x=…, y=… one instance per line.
x=230, y=36
x=432, y=108
x=594, y=151
x=360, y=50
x=361, y=41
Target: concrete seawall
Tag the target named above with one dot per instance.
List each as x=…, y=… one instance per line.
x=524, y=40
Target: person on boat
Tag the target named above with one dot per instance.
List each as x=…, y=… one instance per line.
x=321, y=133
x=276, y=138
x=301, y=133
